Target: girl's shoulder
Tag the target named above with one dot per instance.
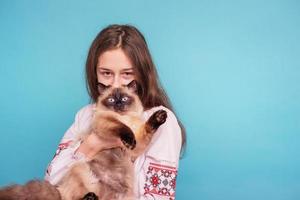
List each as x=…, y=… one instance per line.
x=83, y=117
x=86, y=110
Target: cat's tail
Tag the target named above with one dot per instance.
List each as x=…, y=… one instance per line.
x=33, y=190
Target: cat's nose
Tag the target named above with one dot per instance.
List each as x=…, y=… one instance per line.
x=118, y=106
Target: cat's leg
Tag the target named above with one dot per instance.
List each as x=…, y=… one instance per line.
x=155, y=120
x=122, y=131
x=146, y=132
x=107, y=127
x=127, y=136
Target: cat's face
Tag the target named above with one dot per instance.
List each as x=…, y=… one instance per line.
x=118, y=100
x=121, y=99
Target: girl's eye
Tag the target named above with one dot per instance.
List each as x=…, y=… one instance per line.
x=106, y=73
x=111, y=100
x=124, y=98
x=127, y=75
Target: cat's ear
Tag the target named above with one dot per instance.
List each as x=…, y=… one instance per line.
x=133, y=86
x=102, y=88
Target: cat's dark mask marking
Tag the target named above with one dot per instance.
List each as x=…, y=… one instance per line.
x=133, y=86
x=118, y=100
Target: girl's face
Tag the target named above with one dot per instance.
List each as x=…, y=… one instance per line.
x=114, y=68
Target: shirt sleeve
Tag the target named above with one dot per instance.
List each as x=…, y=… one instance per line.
x=157, y=169
x=65, y=154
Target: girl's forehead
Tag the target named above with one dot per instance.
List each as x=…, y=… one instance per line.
x=114, y=59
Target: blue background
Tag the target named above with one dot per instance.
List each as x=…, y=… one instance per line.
x=231, y=68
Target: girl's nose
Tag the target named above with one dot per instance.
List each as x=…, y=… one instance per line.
x=116, y=82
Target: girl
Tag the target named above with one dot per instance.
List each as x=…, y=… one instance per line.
x=119, y=55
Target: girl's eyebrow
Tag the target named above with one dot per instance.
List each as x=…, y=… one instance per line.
x=103, y=68
x=127, y=69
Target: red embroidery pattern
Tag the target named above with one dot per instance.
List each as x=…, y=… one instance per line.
x=61, y=147
x=161, y=180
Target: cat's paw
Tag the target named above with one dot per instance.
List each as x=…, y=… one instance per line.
x=128, y=139
x=157, y=119
x=90, y=196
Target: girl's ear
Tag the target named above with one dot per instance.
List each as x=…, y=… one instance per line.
x=102, y=88
x=132, y=86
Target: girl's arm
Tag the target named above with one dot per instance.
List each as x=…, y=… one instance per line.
x=66, y=153
x=157, y=169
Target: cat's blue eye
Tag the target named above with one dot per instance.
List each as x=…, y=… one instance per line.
x=111, y=100
x=124, y=98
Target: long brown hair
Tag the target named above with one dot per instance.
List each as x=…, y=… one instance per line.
x=134, y=45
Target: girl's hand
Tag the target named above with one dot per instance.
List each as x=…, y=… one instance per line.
x=94, y=144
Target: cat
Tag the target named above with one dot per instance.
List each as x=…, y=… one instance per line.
x=110, y=174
